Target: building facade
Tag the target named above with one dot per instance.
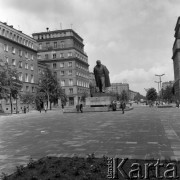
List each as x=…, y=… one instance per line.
x=119, y=87
x=176, y=60
x=166, y=84
x=63, y=52
x=132, y=95
x=19, y=51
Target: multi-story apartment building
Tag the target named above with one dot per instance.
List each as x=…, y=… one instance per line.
x=166, y=84
x=132, y=95
x=63, y=52
x=19, y=51
x=119, y=87
x=176, y=60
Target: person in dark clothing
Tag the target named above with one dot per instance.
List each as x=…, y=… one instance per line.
x=114, y=105
x=123, y=106
x=24, y=109
x=81, y=107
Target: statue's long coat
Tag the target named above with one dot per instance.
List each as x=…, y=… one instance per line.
x=106, y=72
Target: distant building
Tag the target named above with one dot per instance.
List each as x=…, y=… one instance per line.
x=132, y=95
x=63, y=51
x=176, y=60
x=166, y=84
x=119, y=87
x=19, y=51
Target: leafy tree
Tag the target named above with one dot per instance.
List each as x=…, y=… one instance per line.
x=124, y=96
x=50, y=86
x=84, y=96
x=27, y=98
x=10, y=84
x=167, y=94
x=138, y=97
x=151, y=94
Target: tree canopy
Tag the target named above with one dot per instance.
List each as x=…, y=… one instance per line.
x=151, y=94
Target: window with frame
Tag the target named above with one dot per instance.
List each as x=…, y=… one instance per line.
x=62, y=45
x=70, y=73
x=26, y=77
x=13, y=50
x=32, y=78
x=27, y=88
x=13, y=62
x=33, y=89
x=69, y=54
x=7, y=59
x=54, y=65
x=69, y=64
x=46, y=56
x=47, y=44
x=6, y=47
x=26, y=54
x=54, y=56
x=40, y=46
x=32, y=57
x=20, y=53
x=20, y=76
x=70, y=90
x=61, y=65
x=62, y=82
x=55, y=44
x=70, y=82
x=20, y=64
x=26, y=66
x=61, y=55
x=32, y=67
x=62, y=73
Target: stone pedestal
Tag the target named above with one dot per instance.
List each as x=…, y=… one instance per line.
x=98, y=101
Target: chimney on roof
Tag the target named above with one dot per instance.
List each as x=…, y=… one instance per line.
x=47, y=29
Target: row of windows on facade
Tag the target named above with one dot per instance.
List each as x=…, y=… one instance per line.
x=63, y=55
x=14, y=51
x=61, y=44
x=62, y=65
x=26, y=66
x=52, y=35
x=79, y=83
x=70, y=73
x=27, y=77
x=79, y=90
x=16, y=37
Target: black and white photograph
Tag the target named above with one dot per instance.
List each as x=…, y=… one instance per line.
x=89, y=89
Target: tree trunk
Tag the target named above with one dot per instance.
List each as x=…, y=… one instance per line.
x=16, y=105
x=48, y=101
x=11, y=103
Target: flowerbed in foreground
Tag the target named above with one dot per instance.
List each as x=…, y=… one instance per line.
x=52, y=168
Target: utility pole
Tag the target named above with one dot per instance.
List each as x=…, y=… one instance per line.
x=158, y=89
x=160, y=94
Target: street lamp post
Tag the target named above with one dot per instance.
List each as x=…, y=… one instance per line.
x=160, y=94
x=158, y=89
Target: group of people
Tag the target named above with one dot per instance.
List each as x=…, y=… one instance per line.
x=122, y=106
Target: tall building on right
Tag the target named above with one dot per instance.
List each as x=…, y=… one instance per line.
x=176, y=60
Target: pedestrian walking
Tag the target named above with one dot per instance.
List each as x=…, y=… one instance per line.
x=81, y=107
x=123, y=106
x=114, y=105
x=45, y=108
x=24, y=109
x=62, y=105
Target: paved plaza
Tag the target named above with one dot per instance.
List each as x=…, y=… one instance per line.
x=141, y=133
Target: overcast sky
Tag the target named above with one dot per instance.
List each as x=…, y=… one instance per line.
x=133, y=38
